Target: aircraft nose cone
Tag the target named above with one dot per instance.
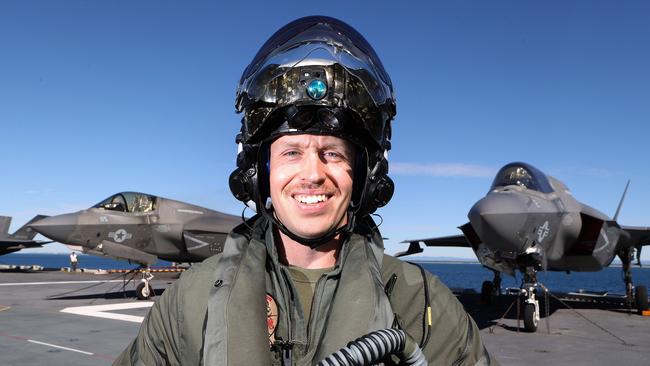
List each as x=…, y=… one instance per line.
x=498, y=219
x=57, y=228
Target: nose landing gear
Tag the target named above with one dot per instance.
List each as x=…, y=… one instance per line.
x=531, y=308
x=528, y=294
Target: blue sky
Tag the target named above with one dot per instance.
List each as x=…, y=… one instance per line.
x=98, y=97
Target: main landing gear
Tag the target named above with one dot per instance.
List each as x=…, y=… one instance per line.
x=144, y=291
x=635, y=295
x=491, y=289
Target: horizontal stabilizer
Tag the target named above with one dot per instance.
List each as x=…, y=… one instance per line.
x=414, y=248
x=26, y=232
x=23, y=238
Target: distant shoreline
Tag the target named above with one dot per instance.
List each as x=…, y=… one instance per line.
x=445, y=260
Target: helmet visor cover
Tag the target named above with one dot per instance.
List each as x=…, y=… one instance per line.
x=316, y=51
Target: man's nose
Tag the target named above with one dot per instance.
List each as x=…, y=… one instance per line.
x=313, y=168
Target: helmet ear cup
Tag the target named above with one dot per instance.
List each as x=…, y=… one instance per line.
x=379, y=187
x=379, y=191
x=243, y=180
x=242, y=184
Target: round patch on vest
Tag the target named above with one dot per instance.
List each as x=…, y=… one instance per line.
x=271, y=317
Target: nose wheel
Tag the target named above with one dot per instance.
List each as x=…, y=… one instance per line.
x=531, y=309
x=529, y=300
x=144, y=291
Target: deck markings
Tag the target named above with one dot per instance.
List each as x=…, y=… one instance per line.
x=56, y=282
x=104, y=311
x=19, y=338
x=61, y=347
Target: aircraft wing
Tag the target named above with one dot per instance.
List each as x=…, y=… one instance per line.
x=13, y=245
x=26, y=243
x=443, y=241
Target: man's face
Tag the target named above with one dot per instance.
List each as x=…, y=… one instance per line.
x=311, y=182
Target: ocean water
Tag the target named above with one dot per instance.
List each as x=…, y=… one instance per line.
x=63, y=260
x=454, y=275
x=472, y=275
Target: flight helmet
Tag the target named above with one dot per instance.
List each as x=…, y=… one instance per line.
x=316, y=75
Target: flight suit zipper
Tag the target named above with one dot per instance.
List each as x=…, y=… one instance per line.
x=317, y=297
x=284, y=350
x=317, y=304
x=288, y=293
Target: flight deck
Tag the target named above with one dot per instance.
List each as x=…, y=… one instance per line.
x=61, y=318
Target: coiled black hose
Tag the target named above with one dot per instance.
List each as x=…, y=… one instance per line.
x=374, y=347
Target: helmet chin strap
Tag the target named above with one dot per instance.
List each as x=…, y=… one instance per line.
x=312, y=243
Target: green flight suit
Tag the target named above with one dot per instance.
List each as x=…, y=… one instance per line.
x=216, y=313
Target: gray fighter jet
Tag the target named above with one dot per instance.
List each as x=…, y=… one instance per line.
x=529, y=221
x=21, y=239
x=141, y=228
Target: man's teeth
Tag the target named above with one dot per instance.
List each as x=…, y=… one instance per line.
x=311, y=199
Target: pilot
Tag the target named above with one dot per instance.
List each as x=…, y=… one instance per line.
x=307, y=274
x=118, y=203
x=142, y=203
x=521, y=177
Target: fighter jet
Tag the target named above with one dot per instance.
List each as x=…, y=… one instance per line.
x=141, y=228
x=21, y=239
x=529, y=221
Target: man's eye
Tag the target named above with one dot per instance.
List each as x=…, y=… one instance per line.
x=291, y=153
x=334, y=155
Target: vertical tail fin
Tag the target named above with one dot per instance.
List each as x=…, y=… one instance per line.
x=5, y=223
x=618, y=209
x=26, y=232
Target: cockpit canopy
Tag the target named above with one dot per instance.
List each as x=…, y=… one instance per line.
x=523, y=175
x=128, y=202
